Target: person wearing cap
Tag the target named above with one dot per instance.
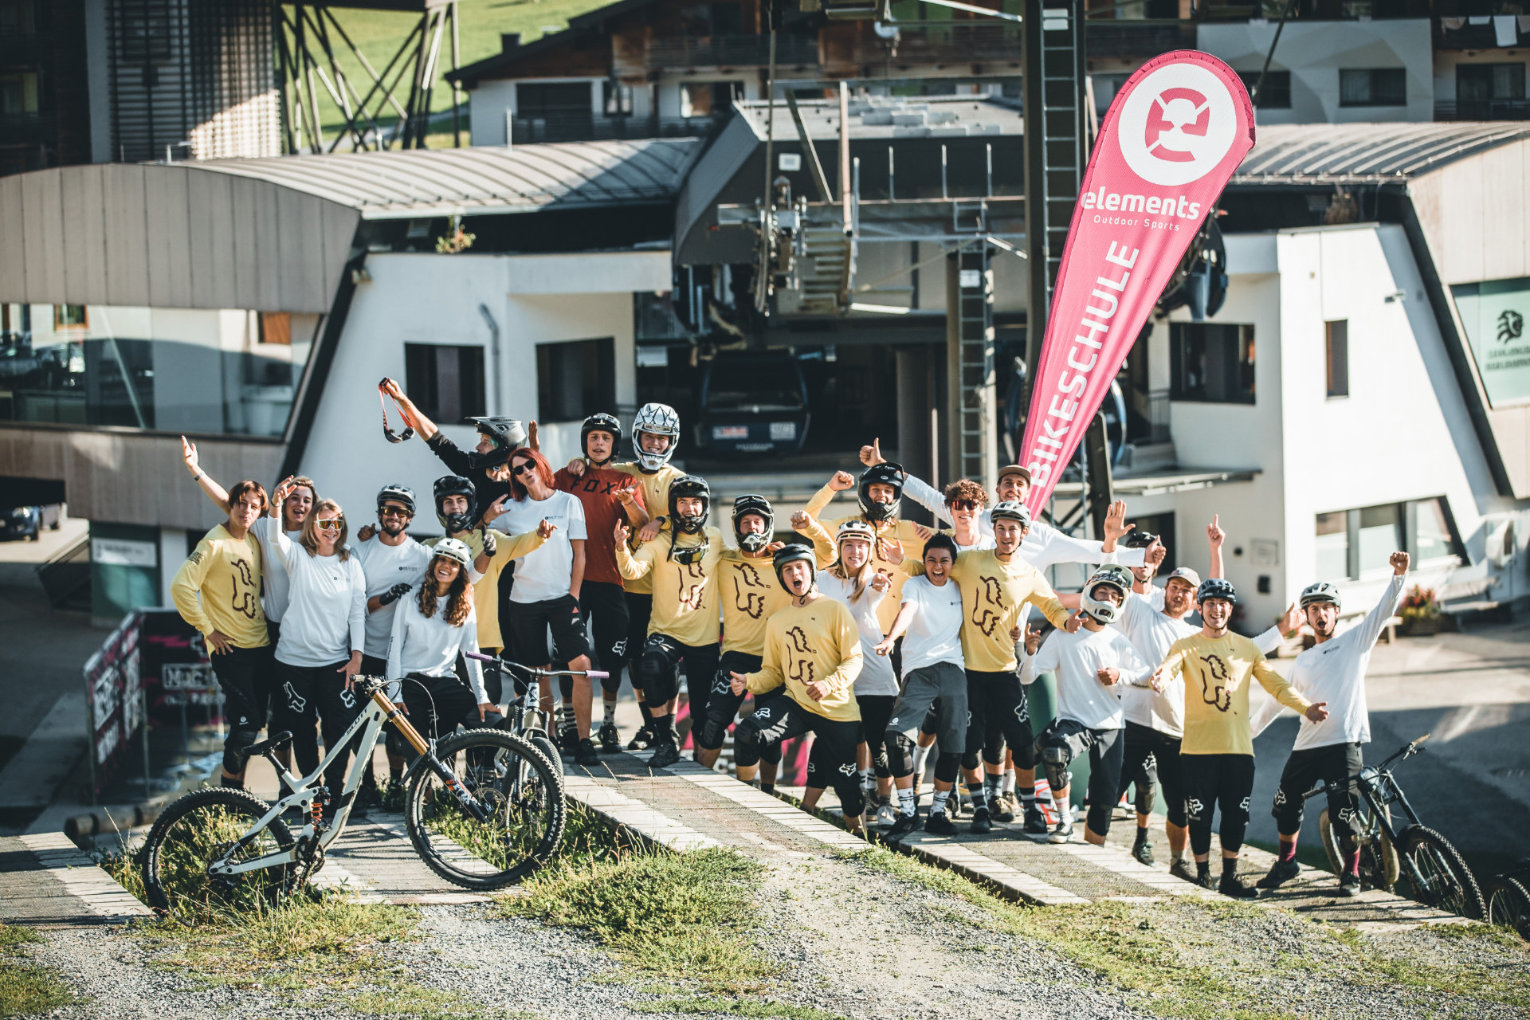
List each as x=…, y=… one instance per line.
x=1331, y=750
x=806, y=683
x=485, y=466
x=1217, y=751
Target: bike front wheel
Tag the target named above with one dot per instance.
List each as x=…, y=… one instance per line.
x=199, y=829
x=1437, y=875
x=1508, y=904
x=1378, y=857
x=520, y=813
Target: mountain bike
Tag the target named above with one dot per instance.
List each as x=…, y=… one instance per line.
x=523, y=715
x=1414, y=859
x=483, y=809
x=1508, y=899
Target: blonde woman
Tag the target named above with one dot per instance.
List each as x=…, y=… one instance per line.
x=322, y=636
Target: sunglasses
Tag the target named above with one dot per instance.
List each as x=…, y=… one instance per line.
x=964, y=504
x=331, y=523
x=394, y=511
x=525, y=467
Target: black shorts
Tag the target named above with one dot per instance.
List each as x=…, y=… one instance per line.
x=604, y=608
x=1153, y=756
x=723, y=706
x=997, y=708
x=1064, y=740
x=832, y=760
x=1338, y=766
x=1217, y=782
x=531, y=621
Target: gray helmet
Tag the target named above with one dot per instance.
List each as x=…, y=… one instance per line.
x=1216, y=588
x=398, y=494
x=791, y=553
x=1111, y=575
x=1321, y=592
x=1012, y=510
x=660, y=420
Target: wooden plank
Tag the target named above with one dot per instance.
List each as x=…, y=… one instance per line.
x=127, y=262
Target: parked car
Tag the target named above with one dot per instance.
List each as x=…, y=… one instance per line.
x=752, y=403
x=28, y=521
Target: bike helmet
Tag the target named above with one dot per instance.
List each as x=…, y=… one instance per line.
x=1138, y=539
x=753, y=504
x=1321, y=592
x=689, y=485
x=1216, y=588
x=881, y=474
x=453, y=549
x=853, y=528
x=456, y=485
x=791, y=553
x=600, y=422
x=659, y=420
x=1110, y=575
x=1012, y=510
x=398, y=494
x=508, y=434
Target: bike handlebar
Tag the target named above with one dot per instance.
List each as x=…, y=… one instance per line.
x=494, y=660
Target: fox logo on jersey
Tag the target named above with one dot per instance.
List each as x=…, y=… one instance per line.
x=990, y=607
x=693, y=585
x=246, y=598
x=1214, y=677
x=803, y=667
x=752, y=602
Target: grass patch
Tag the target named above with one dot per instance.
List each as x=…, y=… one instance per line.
x=712, y=1005
x=672, y=916
x=27, y=988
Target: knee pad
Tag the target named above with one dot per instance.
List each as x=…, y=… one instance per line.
x=1144, y=797
x=969, y=760
x=656, y=668
x=238, y=739
x=747, y=749
x=712, y=734
x=770, y=753
x=1098, y=818
x=612, y=683
x=946, y=767
x=900, y=754
x=1056, y=756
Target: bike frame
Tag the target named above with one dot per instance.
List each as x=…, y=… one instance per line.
x=526, y=707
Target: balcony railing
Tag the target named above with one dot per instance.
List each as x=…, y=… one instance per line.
x=731, y=51
x=1482, y=109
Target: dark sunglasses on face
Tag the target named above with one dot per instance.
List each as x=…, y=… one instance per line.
x=964, y=504
x=394, y=511
x=331, y=523
x=525, y=467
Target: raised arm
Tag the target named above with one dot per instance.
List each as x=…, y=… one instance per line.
x=1386, y=607
x=840, y=481
x=806, y=523
x=1215, y=536
x=215, y=492
x=632, y=566
x=413, y=416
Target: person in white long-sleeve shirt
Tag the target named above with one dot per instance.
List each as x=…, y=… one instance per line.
x=431, y=628
x=322, y=637
x=1332, y=670
x=1092, y=666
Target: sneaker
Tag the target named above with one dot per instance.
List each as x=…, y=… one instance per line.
x=1144, y=853
x=1279, y=874
x=904, y=824
x=641, y=740
x=665, y=754
x=886, y=814
x=1062, y=831
x=1349, y=885
x=939, y=825
x=1035, y=822
x=1002, y=808
x=1233, y=886
x=610, y=741
x=981, y=821
x=585, y=754
x=1183, y=869
x=568, y=742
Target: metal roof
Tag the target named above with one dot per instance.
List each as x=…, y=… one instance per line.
x=890, y=117
x=480, y=179
x=1290, y=154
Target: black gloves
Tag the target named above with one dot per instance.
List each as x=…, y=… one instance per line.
x=394, y=593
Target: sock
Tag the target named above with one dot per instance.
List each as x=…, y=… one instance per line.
x=663, y=727
x=979, y=802
x=1028, y=796
x=1007, y=781
x=1176, y=856
x=566, y=717
x=1064, y=810
x=647, y=713
x=1142, y=836
x=767, y=787
x=1229, y=867
x=1352, y=862
x=938, y=803
x=921, y=757
x=906, y=805
x=1287, y=849
x=991, y=787
x=1203, y=869
x=610, y=707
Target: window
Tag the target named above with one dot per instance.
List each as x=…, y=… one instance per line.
x=18, y=93
x=1354, y=544
x=552, y=99
x=575, y=378
x=708, y=98
x=1373, y=86
x=616, y=99
x=70, y=317
x=1274, y=93
x=1493, y=313
x=1479, y=85
x=276, y=328
x=1332, y=548
x=1379, y=535
x=1211, y=362
x=446, y=381
x=1336, y=347
x=1434, y=533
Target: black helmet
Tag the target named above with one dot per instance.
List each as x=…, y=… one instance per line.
x=1216, y=588
x=753, y=504
x=689, y=485
x=1137, y=538
x=600, y=422
x=456, y=485
x=398, y=494
x=791, y=553
x=881, y=474
x=508, y=434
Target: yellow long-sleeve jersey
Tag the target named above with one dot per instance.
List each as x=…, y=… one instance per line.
x=993, y=590
x=806, y=644
x=887, y=531
x=655, y=489
x=218, y=588
x=750, y=597
x=1216, y=672
x=486, y=589
x=684, y=594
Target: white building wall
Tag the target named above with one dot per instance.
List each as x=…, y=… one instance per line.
x=489, y=102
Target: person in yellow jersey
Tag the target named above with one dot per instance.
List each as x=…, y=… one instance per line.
x=655, y=434
x=684, y=625
x=806, y=683
x=217, y=591
x=1217, y=753
x=996, y=583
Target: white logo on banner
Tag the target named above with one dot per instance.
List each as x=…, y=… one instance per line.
x=1177, y=124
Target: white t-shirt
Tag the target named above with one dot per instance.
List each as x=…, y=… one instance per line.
x=935, y=632
x=1076, y=659
x=326, y=606
x=384, y=566
x=1334, y=671
x=877, y=676
x=429, y=645
x=547, y=572
x=273, y=597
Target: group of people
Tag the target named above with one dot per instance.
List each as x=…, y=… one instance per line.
x=890, y=643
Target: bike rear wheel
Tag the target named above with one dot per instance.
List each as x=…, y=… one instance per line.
x=1508, y=904
x=1379, y=866
x=1439, y=876
x=521, y=793
x=199, y=829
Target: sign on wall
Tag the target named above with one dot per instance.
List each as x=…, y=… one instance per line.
x=1494, y=314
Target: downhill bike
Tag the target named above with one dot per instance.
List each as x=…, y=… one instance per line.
x=523, y=715
x=1508, y=899
x=483, y=809
x=1422, y=864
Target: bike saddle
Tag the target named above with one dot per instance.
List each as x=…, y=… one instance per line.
x=271, y=743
